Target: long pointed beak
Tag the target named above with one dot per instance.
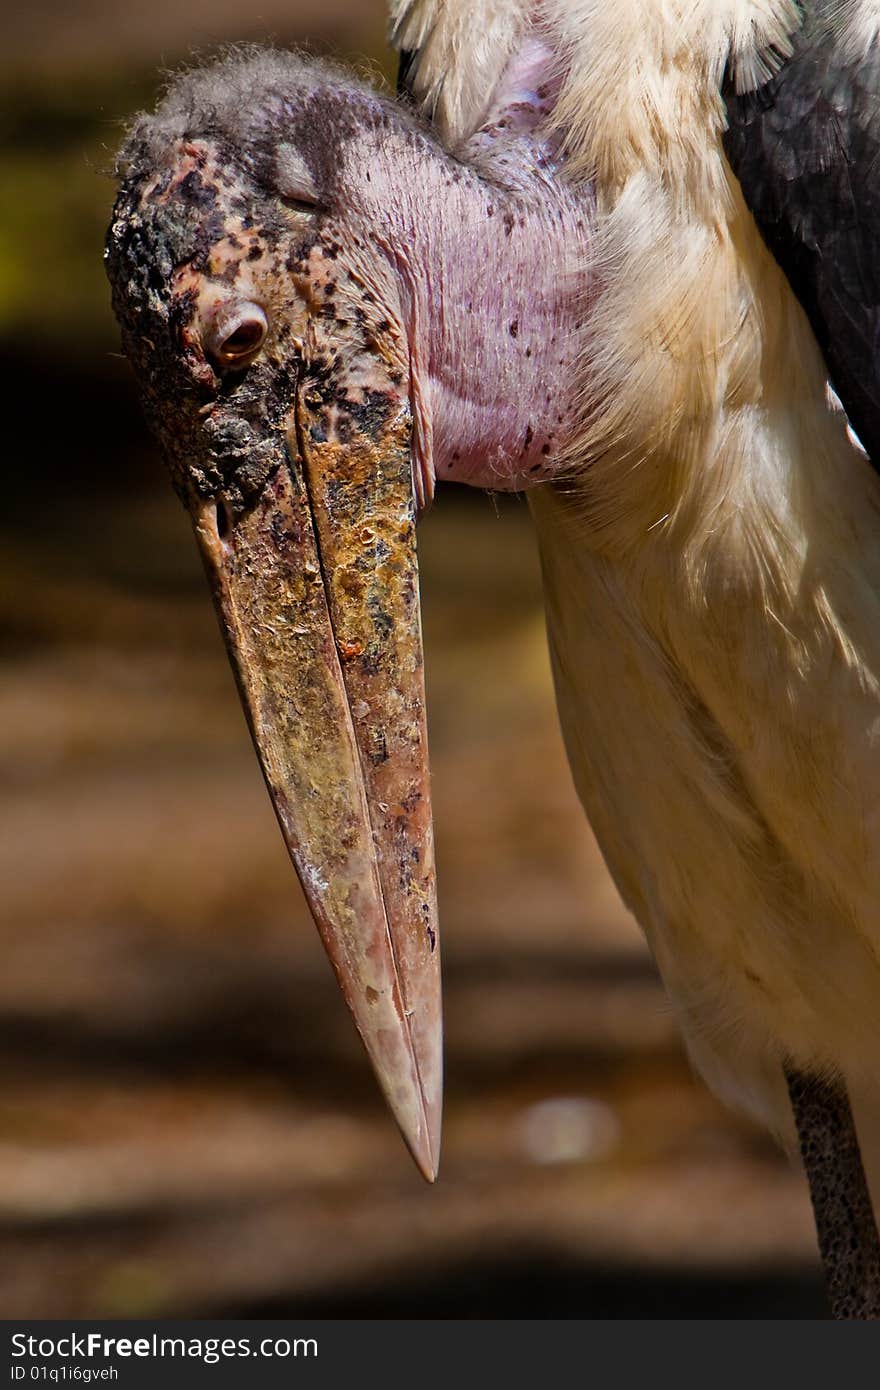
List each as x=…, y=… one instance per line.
x=316, y=588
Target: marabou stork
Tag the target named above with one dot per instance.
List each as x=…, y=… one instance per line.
x=611, y=253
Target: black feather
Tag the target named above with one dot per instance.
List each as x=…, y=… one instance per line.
x=806, y=150
x=407, y=58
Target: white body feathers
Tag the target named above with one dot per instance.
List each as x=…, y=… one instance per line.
x=712, y=567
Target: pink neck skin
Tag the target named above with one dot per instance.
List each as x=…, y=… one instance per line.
x=492, y=290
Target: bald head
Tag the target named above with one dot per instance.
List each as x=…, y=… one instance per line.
x=270, y=192
x=280, y=117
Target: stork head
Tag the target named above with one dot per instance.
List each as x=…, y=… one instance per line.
x=325, y=310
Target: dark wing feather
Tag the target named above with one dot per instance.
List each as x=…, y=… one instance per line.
x=404, y=67
x=806, y=150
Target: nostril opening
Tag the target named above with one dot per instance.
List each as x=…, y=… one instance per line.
x=224, y=520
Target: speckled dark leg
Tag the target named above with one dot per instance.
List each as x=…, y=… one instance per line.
x=845, y=1225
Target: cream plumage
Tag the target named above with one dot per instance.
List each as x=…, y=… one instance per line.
x=712, y=561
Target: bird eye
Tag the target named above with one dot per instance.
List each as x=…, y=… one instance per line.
x=237, y=339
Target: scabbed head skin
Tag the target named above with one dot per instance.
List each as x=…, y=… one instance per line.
x=214, y=209
x=274, y=371
x=178, y=244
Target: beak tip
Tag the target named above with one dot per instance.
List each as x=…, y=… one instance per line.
x=421, y=1135
x=426, y=1162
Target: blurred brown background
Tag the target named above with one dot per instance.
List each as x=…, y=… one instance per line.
x=187, y=1124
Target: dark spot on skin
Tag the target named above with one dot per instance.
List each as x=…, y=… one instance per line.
x=513, y=328
x=528, y=352
x=545, y=449
x=383, y=326
x=372, y=412
x=368, y=296
x=379, y=753
x=255, y=252
x=432, y=938
x=230, y=274
x=530, y=434
x=508, y=224
x=193, y=190
x=490, y=211
x=535, y=468
x=455, y=457
x=317, y=434
x=282, y=536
